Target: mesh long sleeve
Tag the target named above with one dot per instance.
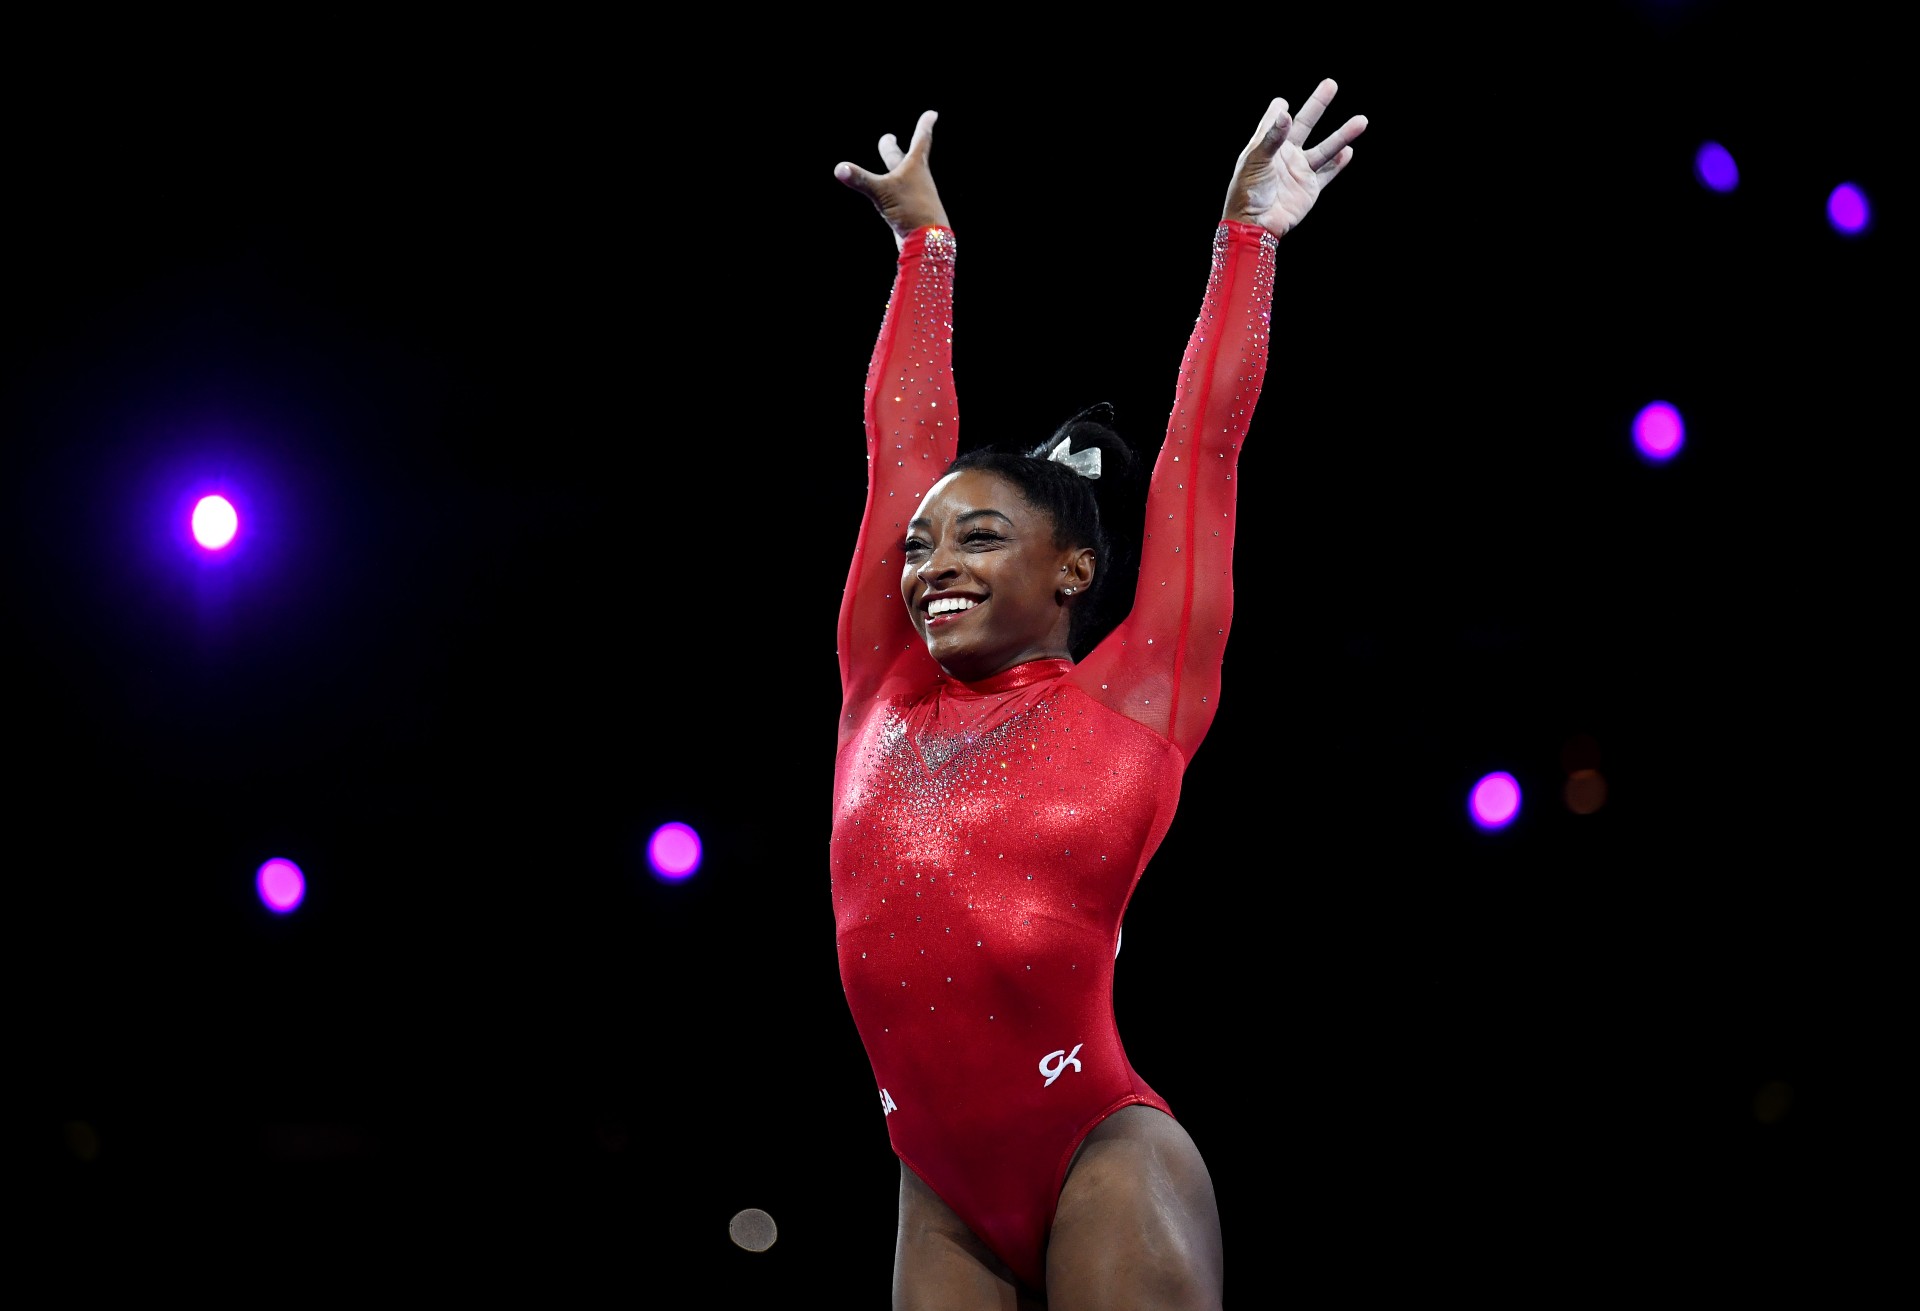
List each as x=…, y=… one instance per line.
x=1161, y=666
x=913, y=432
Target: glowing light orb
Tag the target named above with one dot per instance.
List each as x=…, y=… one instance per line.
x=1715, y=167
x=674, y=851
x=1495, y=800
x=753, y=1229
x=1659, y=432
x=214, y=522
x=281, y=885
x=1847, y=209
x=1586, y=791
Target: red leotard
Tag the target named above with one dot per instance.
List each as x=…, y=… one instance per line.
x=987, y=836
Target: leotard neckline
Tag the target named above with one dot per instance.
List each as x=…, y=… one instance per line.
x=1025, y=674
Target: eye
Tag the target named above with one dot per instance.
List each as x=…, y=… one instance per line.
x=980, y=536
x=912, y=546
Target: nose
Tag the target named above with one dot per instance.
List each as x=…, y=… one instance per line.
x=939, y=565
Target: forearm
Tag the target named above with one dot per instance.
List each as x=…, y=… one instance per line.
x=910, y=407
x=1224, y=364
x=912, y=426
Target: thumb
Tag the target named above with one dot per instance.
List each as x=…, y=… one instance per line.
x=1274, y=125
x=855, y=177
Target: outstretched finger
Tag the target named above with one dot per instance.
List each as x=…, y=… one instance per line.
x=1272, y=131
x=1337, y=143
x=922, y=135
x=1330, y=170
x=1310, y=112
x=890, y=153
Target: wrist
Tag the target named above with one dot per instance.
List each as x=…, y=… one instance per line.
x=928, y=238
x=1251, y=231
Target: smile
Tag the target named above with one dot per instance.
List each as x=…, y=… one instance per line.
x=944, y=610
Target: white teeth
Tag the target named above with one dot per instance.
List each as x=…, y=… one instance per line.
x=949, y=604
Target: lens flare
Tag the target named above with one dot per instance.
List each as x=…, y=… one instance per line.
x=1659, y=432
x=214, y=522
x=281, y=885
x=674, y=852
x=1715, y=167
x=753, y=1229
x=1495, y=800
x=1585, y=791
x=1847, y=209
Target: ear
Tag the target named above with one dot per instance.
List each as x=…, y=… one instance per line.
x=1078, y=569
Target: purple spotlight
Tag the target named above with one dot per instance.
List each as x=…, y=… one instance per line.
x=1495, y=801
x=1847, y=209
x=674, y=852
x=281, y=884
x=214, y=522
x=1659, y=432
x=1715, y=167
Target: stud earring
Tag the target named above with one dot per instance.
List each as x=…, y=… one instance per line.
x=1067, y=591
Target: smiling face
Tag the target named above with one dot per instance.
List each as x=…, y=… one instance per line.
x=983, y=577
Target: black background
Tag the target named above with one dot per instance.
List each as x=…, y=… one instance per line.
x=533, y=359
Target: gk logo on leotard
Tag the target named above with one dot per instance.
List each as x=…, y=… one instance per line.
x=886, y=1102
x=1054, y=1064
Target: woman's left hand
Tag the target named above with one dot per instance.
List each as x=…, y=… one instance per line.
x=1278, y=176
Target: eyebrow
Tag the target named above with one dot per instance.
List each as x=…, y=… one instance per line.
x=924, y=522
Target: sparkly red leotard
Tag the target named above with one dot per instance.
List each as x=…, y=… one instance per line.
x=987, y=836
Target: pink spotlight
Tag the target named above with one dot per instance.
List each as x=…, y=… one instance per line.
x=1659, y=432
x=1495, y=801
x=674, y=852
x=281, y=885
x=1847, y=209
x=214, y=522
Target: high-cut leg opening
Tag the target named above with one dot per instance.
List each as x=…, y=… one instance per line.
x=1072, y=1154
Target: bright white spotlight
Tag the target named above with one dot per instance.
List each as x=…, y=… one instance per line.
x=214, y=522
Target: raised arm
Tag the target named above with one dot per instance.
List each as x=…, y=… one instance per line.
x=1161, y=666
x=912, y=422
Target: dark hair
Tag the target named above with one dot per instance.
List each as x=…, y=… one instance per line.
x=1073, y=501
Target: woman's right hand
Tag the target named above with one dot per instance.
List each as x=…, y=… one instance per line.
x=904, y=194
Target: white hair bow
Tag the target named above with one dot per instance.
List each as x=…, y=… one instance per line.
x=1085, y=463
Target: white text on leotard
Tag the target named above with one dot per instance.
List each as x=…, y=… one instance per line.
x=1054, y=1064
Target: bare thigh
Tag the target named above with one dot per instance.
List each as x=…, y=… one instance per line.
x=941, y=1265
x=1137, y=1225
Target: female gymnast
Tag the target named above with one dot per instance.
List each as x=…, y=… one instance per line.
x=999, y=787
